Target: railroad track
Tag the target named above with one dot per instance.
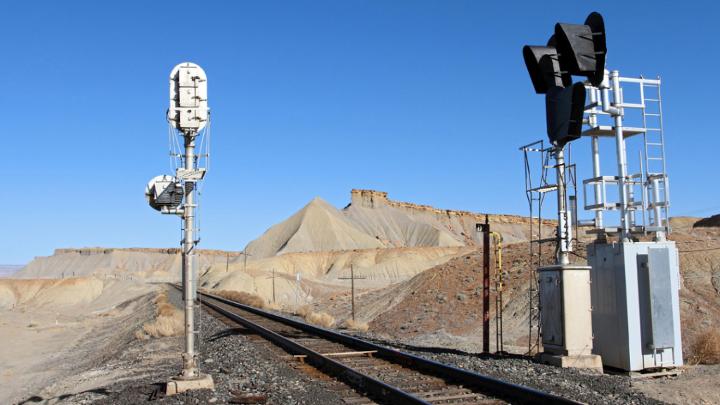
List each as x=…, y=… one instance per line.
x=381, y=374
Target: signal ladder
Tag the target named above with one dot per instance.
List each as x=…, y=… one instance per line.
x=655, y=169
x=535, y=190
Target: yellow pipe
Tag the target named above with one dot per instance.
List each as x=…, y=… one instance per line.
x=497, y=238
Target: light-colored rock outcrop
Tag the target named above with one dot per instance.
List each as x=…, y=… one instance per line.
x=371, y=220
x=321, y=272
x=407, y=224
x=317, y=227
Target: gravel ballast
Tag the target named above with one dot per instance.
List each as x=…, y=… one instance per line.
x=238, y=364
x=242, y=363
x=579, y=385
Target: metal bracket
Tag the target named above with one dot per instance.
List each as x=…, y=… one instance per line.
x=172, y=211
x=190, y=175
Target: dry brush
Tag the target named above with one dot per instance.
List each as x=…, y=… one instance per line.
x=169, y=321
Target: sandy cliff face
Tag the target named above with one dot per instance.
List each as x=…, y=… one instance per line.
x=407, y=224
x=57, y=328
x=371, y=220
x=391, y=245
x=321, y=272
x=386, y=241
x=130, y=263
x=442, y=306
x=61, y=294
x=317, y=227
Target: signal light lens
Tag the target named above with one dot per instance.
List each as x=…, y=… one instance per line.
x=564, y=109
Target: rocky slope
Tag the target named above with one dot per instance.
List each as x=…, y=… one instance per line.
x=321, y=272
x=390, y=245
x=53, y=328
x=371, y=220
x=131, y=263
x=317, y=227
x=442, y=306
x=400, y=223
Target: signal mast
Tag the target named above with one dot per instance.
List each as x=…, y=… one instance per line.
x=633, y=283
x=188, y=117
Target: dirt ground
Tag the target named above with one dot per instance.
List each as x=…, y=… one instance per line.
x=108, y=364
x=443, y=305
x=112, y=366
x=50, y=345
x=58, y=351
x=696, y=385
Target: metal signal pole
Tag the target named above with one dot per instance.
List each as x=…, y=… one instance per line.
x=563, y=228
x=175, y=195
x=190, y=369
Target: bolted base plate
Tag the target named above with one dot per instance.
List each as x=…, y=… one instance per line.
x=591, y=362
x=179, y=385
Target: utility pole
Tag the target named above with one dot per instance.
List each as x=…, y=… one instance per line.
x=273, y=284
x=352, y=279
x=245, y=255
x=227, y=262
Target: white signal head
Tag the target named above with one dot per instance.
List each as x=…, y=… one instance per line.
x=188, y=110
x=164, y=191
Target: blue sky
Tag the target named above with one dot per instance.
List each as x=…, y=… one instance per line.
x=427, y=100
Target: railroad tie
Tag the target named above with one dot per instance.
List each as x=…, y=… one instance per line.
x=364, y=353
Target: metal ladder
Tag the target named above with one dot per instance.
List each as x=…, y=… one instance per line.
x=536, y=197
x=654, y=140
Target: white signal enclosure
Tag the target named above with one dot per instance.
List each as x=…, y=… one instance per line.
x=188, y=110
x=164, y=191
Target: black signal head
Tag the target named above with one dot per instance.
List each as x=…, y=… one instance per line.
x=564, y=109
x=544, y=69
x=597, y=26
x=582, y=47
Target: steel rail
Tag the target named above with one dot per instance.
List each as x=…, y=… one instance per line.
x=487, y=385
x=355, y=379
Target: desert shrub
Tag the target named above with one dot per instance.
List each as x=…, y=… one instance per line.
x=706, y=348
x=164, y=325
x=356, y=325
x=169, y=321
x=242, y=297
x=321, y=319
x=316, y=318
x=303, y=311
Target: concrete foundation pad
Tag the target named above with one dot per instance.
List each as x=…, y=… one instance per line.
x=590, y=361
x=177, y=386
